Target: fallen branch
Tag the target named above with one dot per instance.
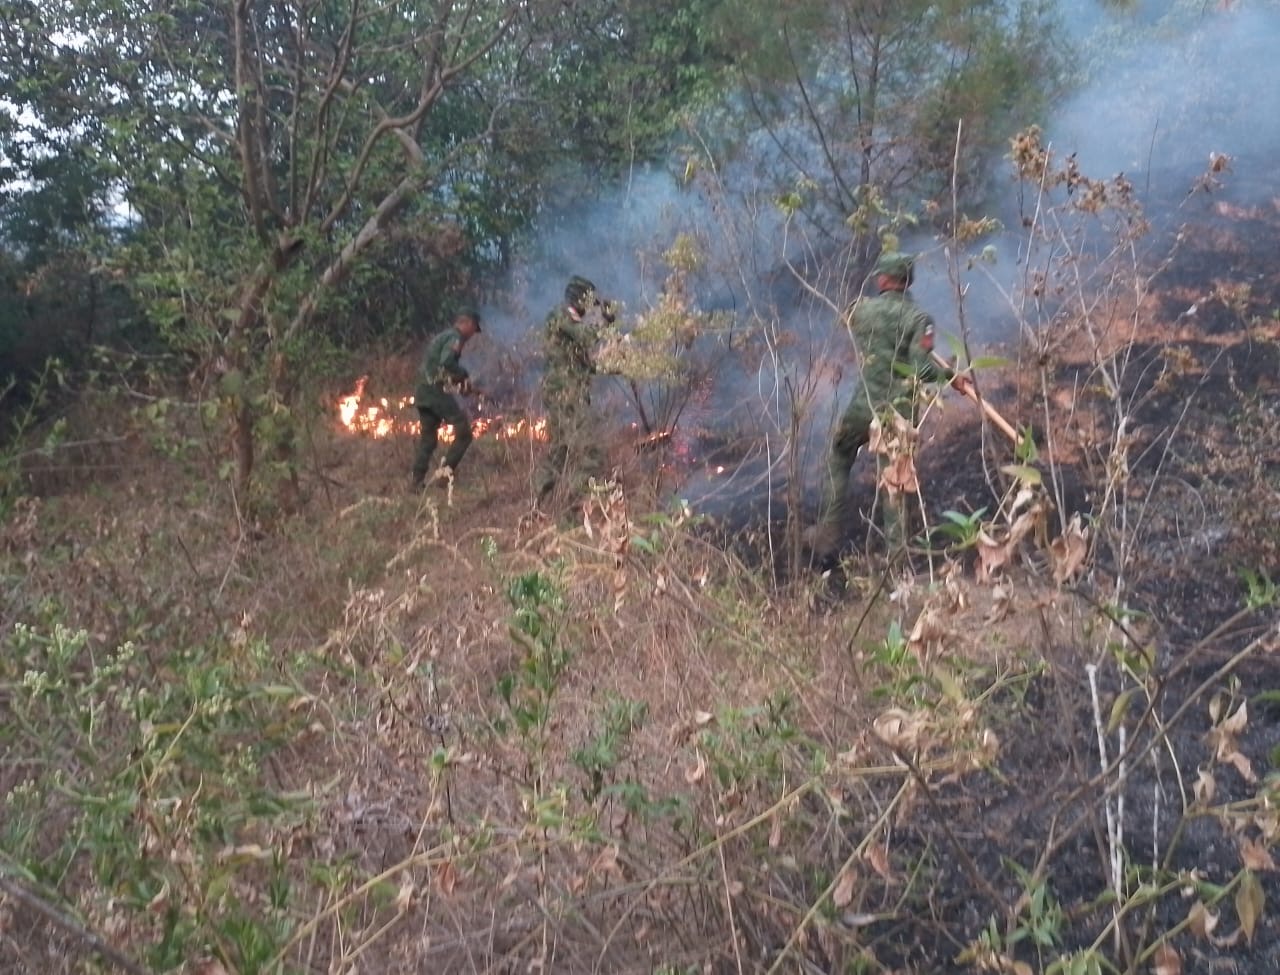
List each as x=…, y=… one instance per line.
x=59, y=918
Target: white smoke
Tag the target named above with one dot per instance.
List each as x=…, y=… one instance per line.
x=1166, y=84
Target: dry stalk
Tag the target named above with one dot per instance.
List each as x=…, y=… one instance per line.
x=431, y=858
x=670, y=874
x=1137, y=752
x=92, y=941
x=857, y=853
x=728, y=895
x=1114, y=814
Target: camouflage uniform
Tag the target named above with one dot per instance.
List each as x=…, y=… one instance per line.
x=894, y=338
x=569, y=339
x=436, y=406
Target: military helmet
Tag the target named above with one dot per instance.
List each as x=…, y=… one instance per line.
x=576, y=292
x=895, y=265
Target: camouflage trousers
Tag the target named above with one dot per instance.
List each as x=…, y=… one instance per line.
x=852, y=434
x=574, y=452
x=434, y=410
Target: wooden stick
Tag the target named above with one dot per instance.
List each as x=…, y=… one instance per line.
x=991, y=413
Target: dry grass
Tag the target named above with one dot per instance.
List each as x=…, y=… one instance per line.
x=469, y=737
x=749, y=774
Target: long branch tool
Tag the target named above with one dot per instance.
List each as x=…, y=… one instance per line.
x=992, y=414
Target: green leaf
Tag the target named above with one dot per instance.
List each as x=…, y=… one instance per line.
x=1250, y=900
x=1119, y=708
x=643, y=544
x=1027, y=475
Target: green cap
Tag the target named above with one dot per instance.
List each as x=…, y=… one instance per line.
x=576, y=291
x=895, y=265
x=470, y=313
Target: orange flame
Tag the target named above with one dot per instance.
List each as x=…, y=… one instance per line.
x=385, y=417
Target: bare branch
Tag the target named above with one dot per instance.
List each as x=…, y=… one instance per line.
x=92, y=941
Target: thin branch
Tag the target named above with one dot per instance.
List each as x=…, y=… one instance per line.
x=92, y=941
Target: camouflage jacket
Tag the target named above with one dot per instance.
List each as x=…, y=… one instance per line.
x=894, y=338
x=440, y=364
x=568, y=347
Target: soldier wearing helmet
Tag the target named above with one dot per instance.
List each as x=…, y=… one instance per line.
x=894, y=338
x=570, y=338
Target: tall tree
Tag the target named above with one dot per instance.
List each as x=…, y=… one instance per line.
x=263, y=147
x=860, y=101
x=267, y=150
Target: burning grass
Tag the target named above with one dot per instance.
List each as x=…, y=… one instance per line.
x=384, y=417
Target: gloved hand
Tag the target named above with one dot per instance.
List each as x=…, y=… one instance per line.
x=962, y=383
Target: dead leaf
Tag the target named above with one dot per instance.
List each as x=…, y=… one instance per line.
x=1241, y=764
x=1256, y=856
x=930, y=631
x=956, y=597
x=1201, y=921
x=703, y=717
x=159, y=905
x=736, y=888
x=1216, y=704
x=695, y=773
x=1067, y=552
x=775, y=833
x=446, y=877
x=1223, y=738
x=1167, y=961
x=843, y=892
x=606, y=863
x=877, y=442
x=249, y=853
x=619, y=589
x=1250, y=901
x=209, y=966
x=898, y=476
x=993, y=555
x=1204, y=788
x=1238, y=721
x=990, y=746
x=879, y=860
x=898, y=729
x=1001, y=604
x=404, y=896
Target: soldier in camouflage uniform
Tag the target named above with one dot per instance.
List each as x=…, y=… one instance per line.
x=569, y=344
x=436, y=405
x=894, y=339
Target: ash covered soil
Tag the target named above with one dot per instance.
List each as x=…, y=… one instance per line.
x=1203, y=519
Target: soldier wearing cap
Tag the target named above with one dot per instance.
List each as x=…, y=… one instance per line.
x=569, y=340
x=894, y=338
x=439, y=373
